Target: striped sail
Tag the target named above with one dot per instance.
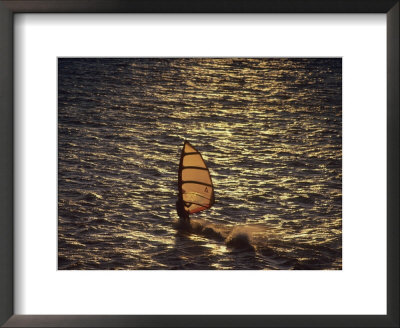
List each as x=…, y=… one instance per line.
x=194, y=181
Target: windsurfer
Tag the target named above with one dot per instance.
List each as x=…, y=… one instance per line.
x=183, y=214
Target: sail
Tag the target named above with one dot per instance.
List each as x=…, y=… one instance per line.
x=194, y=181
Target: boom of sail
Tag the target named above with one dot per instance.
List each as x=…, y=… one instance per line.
x=194, y=181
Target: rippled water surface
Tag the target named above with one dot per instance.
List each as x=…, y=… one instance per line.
x=270, y=131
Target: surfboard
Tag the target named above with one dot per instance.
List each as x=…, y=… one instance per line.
x=195, y=186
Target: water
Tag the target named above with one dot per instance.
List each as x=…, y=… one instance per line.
x=270, y=131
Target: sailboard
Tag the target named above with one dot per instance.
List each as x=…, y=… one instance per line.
x=195, y=186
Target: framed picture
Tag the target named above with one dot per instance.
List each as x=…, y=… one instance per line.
x=196, y=173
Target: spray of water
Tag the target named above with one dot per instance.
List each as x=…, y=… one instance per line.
x=240, y=237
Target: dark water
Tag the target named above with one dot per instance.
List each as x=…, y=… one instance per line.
x=269, y=130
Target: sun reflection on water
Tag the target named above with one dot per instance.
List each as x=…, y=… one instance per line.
x=269, y=130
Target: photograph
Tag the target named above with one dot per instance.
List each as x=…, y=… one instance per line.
x=200, y=163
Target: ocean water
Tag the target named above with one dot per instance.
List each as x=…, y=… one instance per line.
x=269, y=129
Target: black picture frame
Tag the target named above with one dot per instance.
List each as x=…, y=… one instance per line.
x=11, y=7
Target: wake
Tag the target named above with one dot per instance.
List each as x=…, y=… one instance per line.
x=240, y=237
x=267, y=242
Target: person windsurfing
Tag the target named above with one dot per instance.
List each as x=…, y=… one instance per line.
x=182, y=213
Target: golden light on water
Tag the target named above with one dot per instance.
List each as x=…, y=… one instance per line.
x=268, y=129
